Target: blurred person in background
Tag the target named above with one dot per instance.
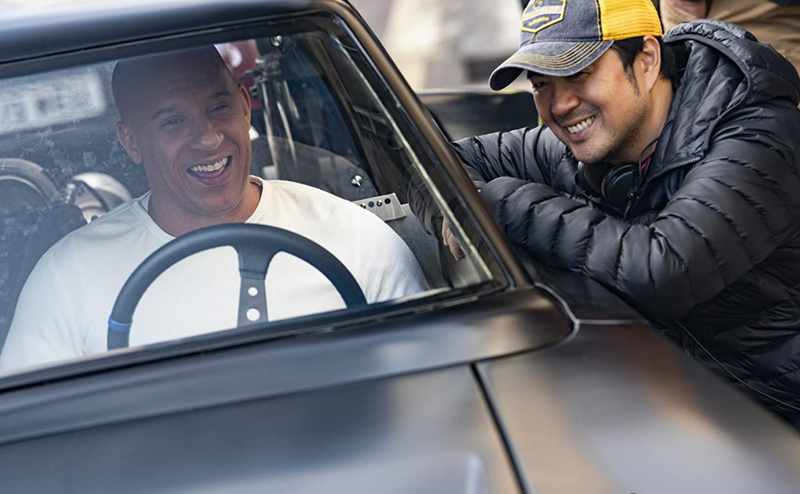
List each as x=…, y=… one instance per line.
x=775, y=22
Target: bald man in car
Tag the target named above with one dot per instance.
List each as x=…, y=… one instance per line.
x=186, y=121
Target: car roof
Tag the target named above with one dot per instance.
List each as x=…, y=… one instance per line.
x=37, y=28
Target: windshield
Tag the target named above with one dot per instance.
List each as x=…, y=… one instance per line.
x=104, y=165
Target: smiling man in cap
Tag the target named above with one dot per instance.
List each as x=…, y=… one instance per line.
x=668, y=170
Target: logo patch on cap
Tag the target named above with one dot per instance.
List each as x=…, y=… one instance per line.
x=542, y=13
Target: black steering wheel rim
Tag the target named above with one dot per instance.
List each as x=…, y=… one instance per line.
x=256, y=246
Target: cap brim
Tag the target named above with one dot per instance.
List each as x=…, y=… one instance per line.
x=554, y=58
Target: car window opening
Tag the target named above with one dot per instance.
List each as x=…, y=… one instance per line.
x=296, y=112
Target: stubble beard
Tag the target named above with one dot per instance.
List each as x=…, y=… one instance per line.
x=618, y=147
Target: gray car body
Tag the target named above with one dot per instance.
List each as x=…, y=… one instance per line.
x=548, y=384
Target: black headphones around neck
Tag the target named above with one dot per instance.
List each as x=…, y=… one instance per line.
x=612, y=183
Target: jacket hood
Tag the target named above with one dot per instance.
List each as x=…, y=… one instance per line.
x=724, y=67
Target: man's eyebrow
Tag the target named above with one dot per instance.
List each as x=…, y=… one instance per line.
x=162, y=111
x=220, y=94
x=170, y=109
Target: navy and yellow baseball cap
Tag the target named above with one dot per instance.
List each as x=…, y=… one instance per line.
x=562, y=37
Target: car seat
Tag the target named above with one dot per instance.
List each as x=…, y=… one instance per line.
x=32, y=218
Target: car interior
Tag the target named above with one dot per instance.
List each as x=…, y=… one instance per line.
x=317, y=119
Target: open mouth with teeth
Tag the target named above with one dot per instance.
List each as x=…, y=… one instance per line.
x=211, y=171
x=575, y=129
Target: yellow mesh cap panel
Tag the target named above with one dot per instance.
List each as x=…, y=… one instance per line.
x=623, y=19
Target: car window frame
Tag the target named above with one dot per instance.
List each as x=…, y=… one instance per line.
x=505, y=271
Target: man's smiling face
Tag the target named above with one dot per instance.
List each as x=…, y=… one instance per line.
x=599, y=113
x=187, y=122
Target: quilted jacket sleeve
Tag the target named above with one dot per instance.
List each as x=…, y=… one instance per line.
x=487, y=157
x=527, y=153
x=732, y=210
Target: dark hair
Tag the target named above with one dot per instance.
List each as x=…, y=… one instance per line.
x=628, y=49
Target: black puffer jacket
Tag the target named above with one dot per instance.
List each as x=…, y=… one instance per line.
x=711, y=239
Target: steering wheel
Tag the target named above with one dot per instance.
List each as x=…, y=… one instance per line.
x=256, y=246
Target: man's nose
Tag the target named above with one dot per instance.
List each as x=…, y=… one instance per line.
x=207, y=136
x=564, y=101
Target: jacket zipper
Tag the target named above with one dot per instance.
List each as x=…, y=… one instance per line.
x=641, y=185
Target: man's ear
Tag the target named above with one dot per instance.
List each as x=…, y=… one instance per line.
x=128, y=141
x=247, y=104
x=650, y=61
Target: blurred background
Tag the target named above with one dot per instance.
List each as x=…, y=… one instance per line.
x=445, y=43
x=435, y=43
